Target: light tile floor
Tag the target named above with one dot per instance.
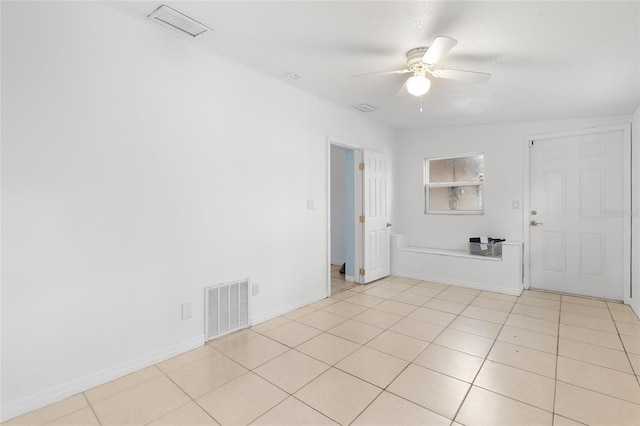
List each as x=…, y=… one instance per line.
x=394, y=352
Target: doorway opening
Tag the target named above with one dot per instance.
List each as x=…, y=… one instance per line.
x=342, y=189
x=358, y=231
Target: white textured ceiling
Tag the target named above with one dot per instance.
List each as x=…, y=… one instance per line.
x=548, y=60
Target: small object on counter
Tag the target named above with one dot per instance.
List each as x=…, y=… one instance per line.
x=485, y=246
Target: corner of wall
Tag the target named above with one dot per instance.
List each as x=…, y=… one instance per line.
x=634, y=301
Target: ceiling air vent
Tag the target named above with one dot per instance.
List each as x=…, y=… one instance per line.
x=364, y=108
x=172, y=18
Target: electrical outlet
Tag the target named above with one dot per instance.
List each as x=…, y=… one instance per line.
x=255, y=289
x=186, y=311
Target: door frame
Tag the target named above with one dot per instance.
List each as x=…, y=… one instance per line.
x=357, y=194
x=526, y=191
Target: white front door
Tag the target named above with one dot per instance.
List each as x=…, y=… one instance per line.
x=376, y=232
x=576, y=221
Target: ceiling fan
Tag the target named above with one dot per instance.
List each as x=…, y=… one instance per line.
x=420, y=62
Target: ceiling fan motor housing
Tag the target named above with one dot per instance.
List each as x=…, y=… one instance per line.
x=414, y=56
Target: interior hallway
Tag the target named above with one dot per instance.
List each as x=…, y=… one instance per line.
x=338, y=283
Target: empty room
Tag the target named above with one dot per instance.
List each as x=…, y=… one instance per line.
x=320, y=213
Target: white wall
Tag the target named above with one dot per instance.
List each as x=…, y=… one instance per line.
x=338, y=206
x=503, y=146
x=635, y=208
x=137, y=169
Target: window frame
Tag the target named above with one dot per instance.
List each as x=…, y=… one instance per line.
x=427, y=185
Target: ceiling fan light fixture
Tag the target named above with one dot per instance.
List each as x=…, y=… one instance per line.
x=418, y=85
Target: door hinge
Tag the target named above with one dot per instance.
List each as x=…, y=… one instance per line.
x=361, y=219
x=361, y=166
x=361, y=271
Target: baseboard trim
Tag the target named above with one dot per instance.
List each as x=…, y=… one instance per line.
x=468, y=284
x=65, y=390
x=634, y=306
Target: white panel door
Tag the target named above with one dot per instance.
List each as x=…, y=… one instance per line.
x=376, y=232
x=576, y=222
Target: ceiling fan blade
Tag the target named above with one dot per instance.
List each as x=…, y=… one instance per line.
x=438, y=49
x=402, y=71
x=403, y=90
x=461, y=75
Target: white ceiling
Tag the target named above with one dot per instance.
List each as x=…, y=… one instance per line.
x=548, y=60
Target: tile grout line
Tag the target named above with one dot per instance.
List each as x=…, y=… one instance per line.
x=406, y=366
x=429, y=343
x=385, y=329
x=92, y=409
x=555, y=379
x=600, y=366
x=362, y=345
x=252, y=370
x=483, y=361
x=162, y=373
x=553, y=413
x=382, y=390
x=485, y=358
x=615, y=324
x=592, y=344
x=194, y=400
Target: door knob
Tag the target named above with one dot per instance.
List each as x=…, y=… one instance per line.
x=388, y=225
x=534, y=223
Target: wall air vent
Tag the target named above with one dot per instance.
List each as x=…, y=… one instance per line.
x=172, y=18
x=364, y=108
x=226, y=308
